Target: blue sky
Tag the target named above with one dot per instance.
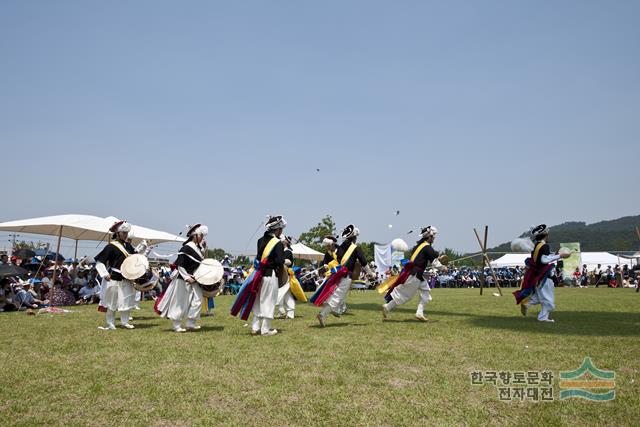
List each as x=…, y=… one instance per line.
x=458, y=114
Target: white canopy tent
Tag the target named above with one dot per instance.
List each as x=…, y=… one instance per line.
x=510, y=260
x=591, y=259
x=301, y=251
x=76, y=227
x=81, y=227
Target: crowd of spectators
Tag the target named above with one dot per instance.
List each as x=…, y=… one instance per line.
x=78, y=282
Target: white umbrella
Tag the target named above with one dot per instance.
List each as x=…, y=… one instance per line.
x=76, y=227
x=301, y=251
x=81, y=227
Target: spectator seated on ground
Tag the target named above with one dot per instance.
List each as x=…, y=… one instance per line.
x=59, y=296
x=6, y=296
x=24, y=299
x=89, y=293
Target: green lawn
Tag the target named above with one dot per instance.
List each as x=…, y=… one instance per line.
x=358, y=371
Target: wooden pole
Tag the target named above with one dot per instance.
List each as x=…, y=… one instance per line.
x=55, y=264
x=483, y=261
x=486, y=261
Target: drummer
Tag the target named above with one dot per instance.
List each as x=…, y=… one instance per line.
x=183, y=298
x=119, y=294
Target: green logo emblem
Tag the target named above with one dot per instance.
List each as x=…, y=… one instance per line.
x=588, y=382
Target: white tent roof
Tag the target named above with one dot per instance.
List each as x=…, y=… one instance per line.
x=304, y=252
x=76, y=227
x=591, y=259
x=605, y=259
x=510, y=260
x=83, y=227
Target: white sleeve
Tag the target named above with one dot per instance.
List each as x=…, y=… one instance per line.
x=437, y=264
x=102, y=269
x=183, y=273
x=547, y=259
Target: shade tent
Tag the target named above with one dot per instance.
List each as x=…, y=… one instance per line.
x=301, y=251
x=75, y=227
x=510, y=260
x=84, y=227
x=605, y=259
x=591, y=259
x=81, y=227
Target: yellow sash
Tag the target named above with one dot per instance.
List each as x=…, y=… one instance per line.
x=267, y=249
x=384, y=286
x=120, y=247
x=331, y=264
x=536, y=251
x=418, y=249
x=348, y=254
x=294, y=286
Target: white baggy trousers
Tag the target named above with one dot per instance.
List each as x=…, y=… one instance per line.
x=286, y=301
x=404, y=292
x=265, y=304
x=545, y=296
x=181, y=301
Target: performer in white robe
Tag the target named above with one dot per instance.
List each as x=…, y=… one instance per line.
x=183, y=298
x=286, y=301
x=544, y=293
x=349, y=254
x=423, y=255
x=265, y=303
x=117, y=293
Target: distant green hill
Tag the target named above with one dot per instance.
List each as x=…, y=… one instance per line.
x=615, y=235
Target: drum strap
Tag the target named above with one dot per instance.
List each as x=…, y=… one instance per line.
x=199, y=261
x=121, y=248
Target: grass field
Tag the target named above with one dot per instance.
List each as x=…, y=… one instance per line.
x=357, y=371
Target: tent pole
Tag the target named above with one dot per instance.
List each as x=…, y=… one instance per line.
x=75, y=254
x=55, y=263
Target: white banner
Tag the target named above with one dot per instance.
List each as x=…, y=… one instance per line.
x=383, y=258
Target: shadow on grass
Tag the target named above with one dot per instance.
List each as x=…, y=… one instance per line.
x=587, y=323
x=336, y=325
x=206, y=328
x=412, y=320
x=378, y=307
x=142, y=325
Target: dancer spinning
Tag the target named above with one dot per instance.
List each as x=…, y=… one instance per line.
x=537, y=285
x=119, y=294
x=333, y=291
x=183, y=298
x=403, y=287
x=259, y=293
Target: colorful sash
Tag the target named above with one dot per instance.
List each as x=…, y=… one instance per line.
x=534, y=275
x=394, y=281
x=294, y=286
x=332, y=264
x=251, y=286
x=330, y=283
